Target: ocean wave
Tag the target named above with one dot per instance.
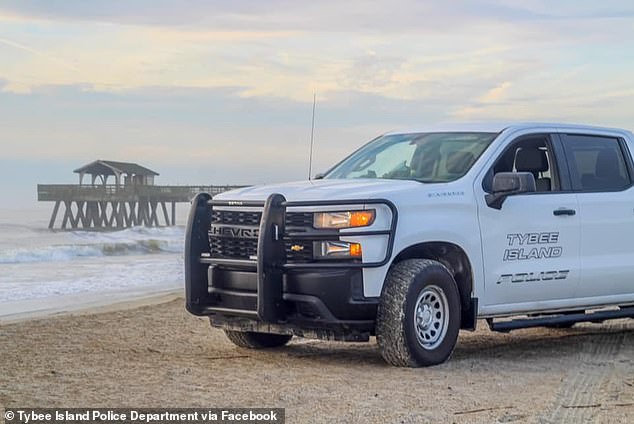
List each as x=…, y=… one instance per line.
x=58, y=253
x=90, y=278
x=134, y=233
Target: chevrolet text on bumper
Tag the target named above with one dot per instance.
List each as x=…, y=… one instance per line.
x=419, y=234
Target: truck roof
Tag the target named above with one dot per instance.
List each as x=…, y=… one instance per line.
x=496, y=127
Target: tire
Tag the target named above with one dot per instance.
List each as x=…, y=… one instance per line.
x=418, y=318
x=253, y=340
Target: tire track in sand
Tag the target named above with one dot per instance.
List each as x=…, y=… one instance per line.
x=578, y=399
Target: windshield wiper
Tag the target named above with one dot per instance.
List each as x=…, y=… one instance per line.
x=428, y=181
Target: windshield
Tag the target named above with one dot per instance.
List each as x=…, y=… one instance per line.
x=425, y=157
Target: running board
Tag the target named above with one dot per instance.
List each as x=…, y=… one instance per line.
x=599, y=316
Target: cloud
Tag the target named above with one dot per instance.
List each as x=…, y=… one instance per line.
x=36, y=52
x=496, y=94
x=327, y=15
x=404, y=50
x=372, y=72
x=221, y=91
x=220, y=125
x=223, y=136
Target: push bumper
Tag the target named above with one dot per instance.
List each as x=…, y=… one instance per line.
x=323, y=300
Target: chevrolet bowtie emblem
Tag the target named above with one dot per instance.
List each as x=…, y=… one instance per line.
x=297, y=248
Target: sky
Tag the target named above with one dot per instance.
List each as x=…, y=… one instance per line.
x=220, y=92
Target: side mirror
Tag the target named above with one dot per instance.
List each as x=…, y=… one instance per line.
x=507, y=184
x=319, y=176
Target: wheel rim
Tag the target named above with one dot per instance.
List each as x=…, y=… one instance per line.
x=431, y=317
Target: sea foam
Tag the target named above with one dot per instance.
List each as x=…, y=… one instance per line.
x=134, y=241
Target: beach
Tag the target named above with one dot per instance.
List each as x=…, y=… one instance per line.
x=151, y=353
x=403, y=168
x=97, y=319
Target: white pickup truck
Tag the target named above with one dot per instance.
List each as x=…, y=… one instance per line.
x=419, y=234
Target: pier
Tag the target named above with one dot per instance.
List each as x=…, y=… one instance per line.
x=131, y=200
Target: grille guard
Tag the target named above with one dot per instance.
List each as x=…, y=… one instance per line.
x=271, y=260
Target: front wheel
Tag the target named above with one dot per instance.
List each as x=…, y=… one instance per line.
x=418, y=319
x=253, y=340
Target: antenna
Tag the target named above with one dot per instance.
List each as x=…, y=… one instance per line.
x=312, y=133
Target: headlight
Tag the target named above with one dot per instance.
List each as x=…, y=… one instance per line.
x=336, y=250
x=346, y=219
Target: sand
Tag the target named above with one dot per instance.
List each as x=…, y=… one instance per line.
x=159, y=355
x=81, y=304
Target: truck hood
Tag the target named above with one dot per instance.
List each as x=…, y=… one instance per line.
x=324, y=190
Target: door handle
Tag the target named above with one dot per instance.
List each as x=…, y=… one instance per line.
x=564, y=211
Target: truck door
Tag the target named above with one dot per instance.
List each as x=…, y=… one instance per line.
x=600, y=172
x=530, y=245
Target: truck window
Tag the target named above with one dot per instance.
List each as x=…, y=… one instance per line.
x=529, y=154
x=424, y=157
x=596, y=163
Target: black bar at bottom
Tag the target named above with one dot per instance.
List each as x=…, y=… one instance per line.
x=516, y=324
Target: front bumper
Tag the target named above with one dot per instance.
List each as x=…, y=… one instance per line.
x=322, y=300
